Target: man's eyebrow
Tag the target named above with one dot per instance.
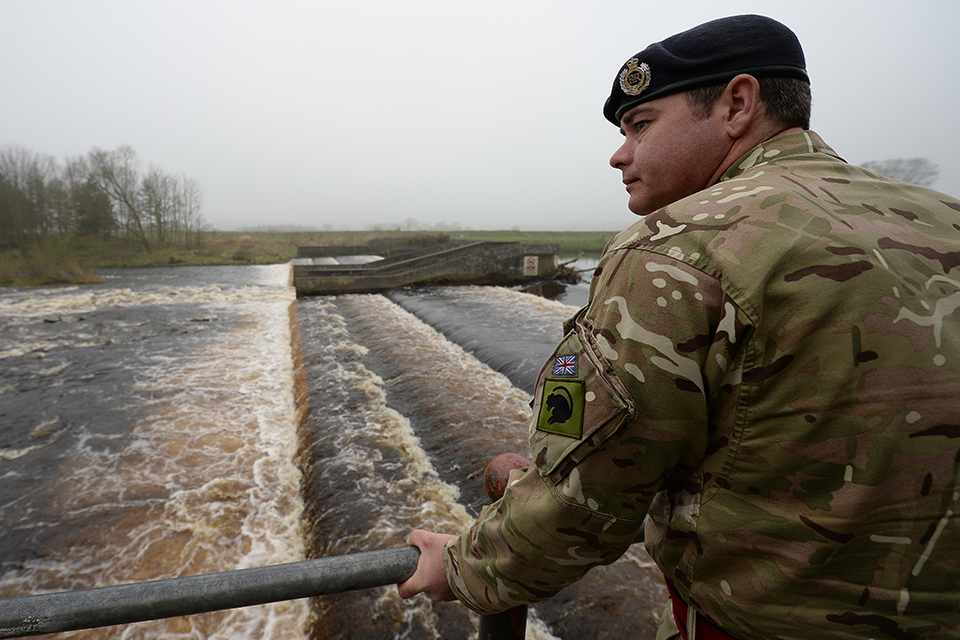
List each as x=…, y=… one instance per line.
x=638, y=111
x=641, y=111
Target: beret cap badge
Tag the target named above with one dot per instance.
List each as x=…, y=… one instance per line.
x=635, y=77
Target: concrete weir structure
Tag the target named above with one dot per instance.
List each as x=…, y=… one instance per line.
x=325, y=270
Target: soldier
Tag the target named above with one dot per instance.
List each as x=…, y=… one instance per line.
x=768, y=368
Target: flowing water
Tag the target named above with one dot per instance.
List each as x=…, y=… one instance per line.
x=145, y=432
x=179, y=421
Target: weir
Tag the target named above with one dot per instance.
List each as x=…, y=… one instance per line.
x=168, y=422
x=455, y=262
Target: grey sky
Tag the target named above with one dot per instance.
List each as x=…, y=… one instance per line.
x=483, y=113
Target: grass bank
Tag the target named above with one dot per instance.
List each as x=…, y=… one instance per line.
x=71, y=261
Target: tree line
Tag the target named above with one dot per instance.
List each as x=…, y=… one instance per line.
x=107, y=194
x=916, y=170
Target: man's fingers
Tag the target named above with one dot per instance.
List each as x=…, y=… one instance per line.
x=410, y=587
x=430, y=576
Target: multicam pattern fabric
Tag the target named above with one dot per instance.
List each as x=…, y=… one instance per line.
x=771, y=371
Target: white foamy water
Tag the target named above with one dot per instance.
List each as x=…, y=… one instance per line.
x=203, y=480
x=358, y=504
x=392, y=485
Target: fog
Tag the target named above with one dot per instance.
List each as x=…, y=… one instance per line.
x=487, y=115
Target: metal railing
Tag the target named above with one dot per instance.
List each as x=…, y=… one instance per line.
x=139, y=601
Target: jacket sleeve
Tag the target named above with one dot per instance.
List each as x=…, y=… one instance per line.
x=620, y=414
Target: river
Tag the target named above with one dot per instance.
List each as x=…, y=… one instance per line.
x=178, y=421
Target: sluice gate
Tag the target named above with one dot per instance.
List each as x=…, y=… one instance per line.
x=320, y=270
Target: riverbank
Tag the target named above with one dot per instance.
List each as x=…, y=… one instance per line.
x=67, y=261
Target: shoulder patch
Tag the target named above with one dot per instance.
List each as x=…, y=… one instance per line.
x=561, y=408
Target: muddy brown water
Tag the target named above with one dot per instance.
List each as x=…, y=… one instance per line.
x=180, y=421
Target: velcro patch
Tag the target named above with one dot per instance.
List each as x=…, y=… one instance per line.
x=561, y=408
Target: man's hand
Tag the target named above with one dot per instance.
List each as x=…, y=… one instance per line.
x=430, y=577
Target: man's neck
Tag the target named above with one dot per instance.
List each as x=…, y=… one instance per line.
x=746, y=142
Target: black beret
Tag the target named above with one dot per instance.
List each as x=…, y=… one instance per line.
x=713, y=53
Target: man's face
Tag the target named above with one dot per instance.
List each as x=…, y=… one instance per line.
x=669, y=152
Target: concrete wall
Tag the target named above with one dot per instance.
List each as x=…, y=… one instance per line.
x=500, y=263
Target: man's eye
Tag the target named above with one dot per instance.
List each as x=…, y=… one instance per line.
x=633, y=127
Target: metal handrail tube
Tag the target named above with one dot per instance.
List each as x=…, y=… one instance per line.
x=139, y=601
x=512, y=623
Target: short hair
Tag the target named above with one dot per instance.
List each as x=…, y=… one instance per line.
x=787, y=100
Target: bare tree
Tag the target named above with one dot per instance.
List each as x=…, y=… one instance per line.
x=62, y=213
x=14, y=215
x=90, y=208
x=117, y=173
x=25, y=206
x=158, y=199
x=182, y=219
x=102, y=193
x=190, y=203
x=916, y=170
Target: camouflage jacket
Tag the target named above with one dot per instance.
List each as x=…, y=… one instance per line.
x=770, y=369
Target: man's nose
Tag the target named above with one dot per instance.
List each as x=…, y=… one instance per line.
x=621, y=157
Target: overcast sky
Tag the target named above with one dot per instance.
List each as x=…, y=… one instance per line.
x=487, y=114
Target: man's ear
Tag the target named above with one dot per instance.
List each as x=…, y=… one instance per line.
x=741, y=104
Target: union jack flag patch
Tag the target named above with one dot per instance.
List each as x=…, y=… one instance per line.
x=565, y=366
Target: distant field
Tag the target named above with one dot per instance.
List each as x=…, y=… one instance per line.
x=69, y=261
